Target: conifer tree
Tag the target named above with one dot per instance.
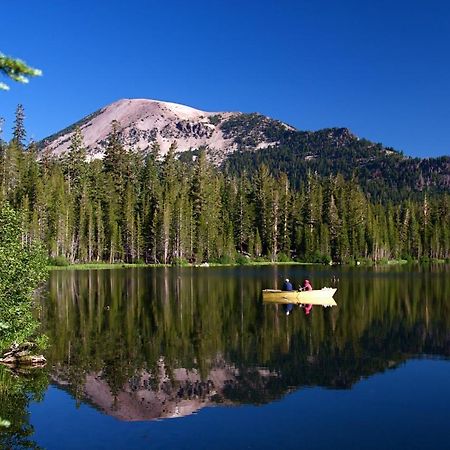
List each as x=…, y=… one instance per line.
x=264, y=207
x=151, y=205
x=19, y=133
x=285, y=214
x=169, y=194
x=199, y=193
x=75, y=163
x=116, y=160
x=243, y=214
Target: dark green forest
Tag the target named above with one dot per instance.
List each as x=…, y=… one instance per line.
x=136, y=207
x=383, y=173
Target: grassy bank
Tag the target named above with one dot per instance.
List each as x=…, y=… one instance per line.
x=99, y=266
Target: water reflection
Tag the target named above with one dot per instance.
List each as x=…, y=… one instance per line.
x=17, y=391
x=142, y=344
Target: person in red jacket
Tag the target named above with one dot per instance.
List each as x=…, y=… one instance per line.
x=307, y=287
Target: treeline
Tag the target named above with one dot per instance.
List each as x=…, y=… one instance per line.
x=135, y=207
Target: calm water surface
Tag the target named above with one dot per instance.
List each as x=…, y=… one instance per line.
x=191, y=358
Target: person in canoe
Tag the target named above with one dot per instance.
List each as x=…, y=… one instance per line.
x=307, y=286
x=287, y=286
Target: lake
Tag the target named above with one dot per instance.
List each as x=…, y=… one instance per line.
x=192, y=358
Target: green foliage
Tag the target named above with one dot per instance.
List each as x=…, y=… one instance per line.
x=247, y=130
x=424, y=260
x=215, y=119
x=224, y=259
x=282, y=257
x=181, y=262
x=22, y=268
x=242, y=260
x=16, y=69
x=42, y=342
x=58, y=261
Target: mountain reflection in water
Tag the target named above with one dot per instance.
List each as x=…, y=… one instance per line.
x=143, y=344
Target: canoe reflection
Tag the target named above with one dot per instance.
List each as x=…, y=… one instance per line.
x=149, y=344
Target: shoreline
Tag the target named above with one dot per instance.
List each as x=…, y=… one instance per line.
x=118, y=265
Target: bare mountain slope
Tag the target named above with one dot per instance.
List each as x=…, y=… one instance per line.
x=143, y=122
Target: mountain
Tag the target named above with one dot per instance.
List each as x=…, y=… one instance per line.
x=242, y=142
x=177, y=392
x=143, y=122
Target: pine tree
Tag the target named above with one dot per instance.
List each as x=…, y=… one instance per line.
x=356, y=213
x=130, y=228
x=13, y=160
x=311, y=216
x=19, y=133
x=116, y=160
x=74, y=162
x=169, y=195
x=151, y=205
x=243, y=214
x=331, y=219
x=285, y=214
x=266, y=204
x=199, y=193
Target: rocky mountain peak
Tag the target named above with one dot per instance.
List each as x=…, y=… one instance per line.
x=143, y=122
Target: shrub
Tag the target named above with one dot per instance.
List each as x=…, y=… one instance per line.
x=224, y=259
x=242, y=260
x=180, y=262
x=59, y=261
x=282, y=257
x=215, y=119
x=22, y=268
x=318, y=258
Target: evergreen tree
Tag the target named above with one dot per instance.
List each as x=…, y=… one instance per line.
x=243, y=214
x=169, y=194
x=151, y=205
x=19, y=133
x=116, y=159
x=285, y=214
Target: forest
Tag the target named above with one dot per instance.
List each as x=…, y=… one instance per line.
x=383, y=173
x=136, y=207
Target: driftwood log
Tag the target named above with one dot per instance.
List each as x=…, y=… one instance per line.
x=21, y=355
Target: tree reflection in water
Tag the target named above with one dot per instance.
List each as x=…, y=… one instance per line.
x=17, y=390
x=149, y=343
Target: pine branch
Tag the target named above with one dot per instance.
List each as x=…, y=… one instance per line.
x=17, y=70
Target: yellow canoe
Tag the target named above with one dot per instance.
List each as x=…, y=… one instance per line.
x=323, y=297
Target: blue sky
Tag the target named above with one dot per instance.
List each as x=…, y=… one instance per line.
x=380, y=68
